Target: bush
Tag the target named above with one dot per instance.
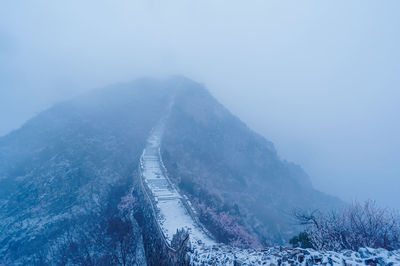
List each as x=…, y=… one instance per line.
x=302, y=240
x=356, y=226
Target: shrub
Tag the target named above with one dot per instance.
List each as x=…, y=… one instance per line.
x=358, y=225
x=302, y=240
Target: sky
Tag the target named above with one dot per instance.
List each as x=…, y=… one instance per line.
x=318, y=78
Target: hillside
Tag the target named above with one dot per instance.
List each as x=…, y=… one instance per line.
x=235, y=176
x=64, y=171
x=64, y=174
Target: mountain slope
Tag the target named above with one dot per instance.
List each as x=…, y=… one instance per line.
x=63, y=174
x=67, y=168
x=228, y=170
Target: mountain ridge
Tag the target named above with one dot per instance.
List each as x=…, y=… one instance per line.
x=74, y=162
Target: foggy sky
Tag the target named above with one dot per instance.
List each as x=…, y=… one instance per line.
x=318, y=78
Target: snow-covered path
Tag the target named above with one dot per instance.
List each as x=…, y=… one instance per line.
x=171, y=212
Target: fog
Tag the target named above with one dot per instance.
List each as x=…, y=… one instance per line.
x=318, y=78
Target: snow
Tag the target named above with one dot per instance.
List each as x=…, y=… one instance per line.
x=224, y=255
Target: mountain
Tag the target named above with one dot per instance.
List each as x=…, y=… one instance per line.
x=65, y=174
x=227, y=169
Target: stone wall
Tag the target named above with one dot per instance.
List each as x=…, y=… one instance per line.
x=157, y=251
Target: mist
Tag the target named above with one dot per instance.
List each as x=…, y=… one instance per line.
x=318, y=79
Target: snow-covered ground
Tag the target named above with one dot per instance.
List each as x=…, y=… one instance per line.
x=172, y=213
x=224, y=255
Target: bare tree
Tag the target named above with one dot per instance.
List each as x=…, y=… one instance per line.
x=181, y=244
x=358, y=225
x=179, y=238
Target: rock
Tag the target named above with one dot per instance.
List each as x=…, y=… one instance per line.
x=372, y=261
x=346, y=264
x=295, y=252
x=348, y=253
x=332, y=261
x=381, y=261
x=306, y=252
x=364, y=253
x=317, y=258
x=237, y=263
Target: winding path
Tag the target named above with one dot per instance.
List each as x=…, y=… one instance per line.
x=171, y=209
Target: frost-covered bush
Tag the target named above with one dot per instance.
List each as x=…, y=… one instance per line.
x=356, y=226
x=226, y=228
x=127, y=204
